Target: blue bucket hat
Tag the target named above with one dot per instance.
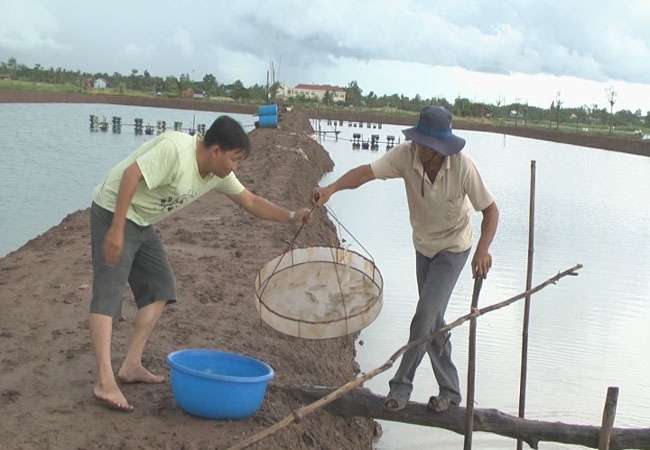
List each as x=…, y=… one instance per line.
x=434, y=131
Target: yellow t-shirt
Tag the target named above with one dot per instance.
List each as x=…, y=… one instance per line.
x=171, y=179
x=441, y=219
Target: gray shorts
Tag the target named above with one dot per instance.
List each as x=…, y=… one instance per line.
x=143, y=263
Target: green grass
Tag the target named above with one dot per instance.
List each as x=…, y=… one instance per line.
x=75, y=89
x=41, y=87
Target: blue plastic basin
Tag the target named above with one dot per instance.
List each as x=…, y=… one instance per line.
x=218, y=385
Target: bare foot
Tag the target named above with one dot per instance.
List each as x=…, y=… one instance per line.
x=112, y=398
x=138, y=375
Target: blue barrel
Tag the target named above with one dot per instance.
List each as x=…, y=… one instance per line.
x=268, y=121
x=268, y=110
x=268, y=116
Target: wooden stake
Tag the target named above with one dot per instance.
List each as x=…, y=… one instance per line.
x=300, y=413
x=609, y=414
x=471, y=369
x=529, y=280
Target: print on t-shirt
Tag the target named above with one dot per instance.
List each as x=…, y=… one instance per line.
x=171, y=203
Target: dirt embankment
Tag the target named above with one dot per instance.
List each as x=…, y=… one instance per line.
x=47, y=369
x=20, y=96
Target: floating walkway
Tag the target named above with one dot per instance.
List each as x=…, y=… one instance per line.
x=138, y=126
x=268, y=118
x=358, y=141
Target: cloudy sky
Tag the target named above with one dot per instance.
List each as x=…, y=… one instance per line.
x=485, y=50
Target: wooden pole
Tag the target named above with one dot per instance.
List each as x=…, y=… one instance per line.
x=529, y=280
x=471, y=368
x=609, y=414
x=300, y=413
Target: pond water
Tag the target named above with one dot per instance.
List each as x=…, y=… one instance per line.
x=586, y=333
x=50, y=161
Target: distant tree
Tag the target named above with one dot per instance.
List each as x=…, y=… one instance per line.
x=327, y=98
x=177, y=85
x=257, y=93
x=115, y=79
x=11, y=65
x=498, y=103
x=611, y=99
x=273, y=92
x=416, y=103
x=371, y=99
x=171, y=83
x=392, y=100
x=625, y=116
x=301, y=98
x=441, y=101
x=146, y=80
x=583, y=115
x=210, y=84
x=404, y=102
x=353, y=93
x=462, y=107
x=239, y=91
x=558, y=103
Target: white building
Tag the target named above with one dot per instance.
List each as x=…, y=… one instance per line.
x=100, y=83
x=283, y=91
x=317, y=92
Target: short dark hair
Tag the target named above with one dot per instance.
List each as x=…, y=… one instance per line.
x=228, y=134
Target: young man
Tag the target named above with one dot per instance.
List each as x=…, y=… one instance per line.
x=438, y=180
x=156, y=180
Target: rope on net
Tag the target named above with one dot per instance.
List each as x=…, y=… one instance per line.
x=333, y=248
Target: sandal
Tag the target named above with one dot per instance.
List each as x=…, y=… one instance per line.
x=440, y=404
x=396, y=401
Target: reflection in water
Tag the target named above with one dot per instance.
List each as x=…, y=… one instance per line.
x=586, y=333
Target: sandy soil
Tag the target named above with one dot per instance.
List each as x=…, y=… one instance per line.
x=46, y=362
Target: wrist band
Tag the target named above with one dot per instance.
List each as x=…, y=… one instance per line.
x=292, y=215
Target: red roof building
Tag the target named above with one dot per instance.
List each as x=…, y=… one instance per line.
x=317, y=91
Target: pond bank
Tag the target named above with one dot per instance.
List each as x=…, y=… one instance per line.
x=215, y=248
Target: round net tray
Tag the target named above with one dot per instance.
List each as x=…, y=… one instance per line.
x=319, y=292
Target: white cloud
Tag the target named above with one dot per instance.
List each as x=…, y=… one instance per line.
x=471, y=48
x=132, y=49
x=183, y=41
x=35, y=30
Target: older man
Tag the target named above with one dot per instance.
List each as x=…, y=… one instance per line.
x=441, y=183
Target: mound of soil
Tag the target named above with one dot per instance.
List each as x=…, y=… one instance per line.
x=47, y=369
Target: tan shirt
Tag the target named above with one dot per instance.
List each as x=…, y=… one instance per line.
x=441, y=219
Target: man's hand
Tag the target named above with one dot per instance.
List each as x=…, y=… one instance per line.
x=481, y=264
x=320, y=196
x=112, y=246
x=302, y=216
